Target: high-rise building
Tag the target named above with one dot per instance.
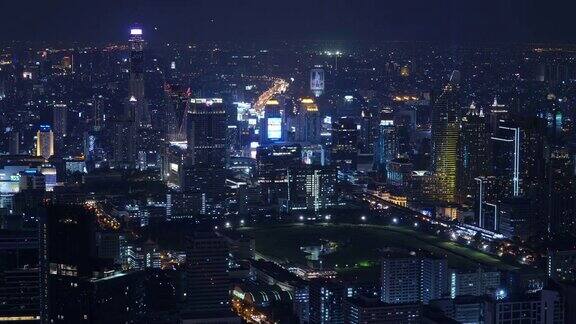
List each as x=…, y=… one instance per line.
x=387, y=147
x=206, y=150
x=308, y=122
x=445, y=122
x=561, y=265
x=273, y=164
x=208, y=282
x=545, y=306
x=326, y=302
x=474, y=283
x=344, y=151
x=13, y=142
x=177, y=105
x=273, y=125
x=76, y=286
x=473, y=152
x=19, y=276
x=124, y=142
x=506, y=148
x=398, y=173
x=561, y=193
x=60, y=121
x=136, y=95
x=515, y=217
x=411, y=278
x=363, y=310
x=311, y=187
x=45, y=142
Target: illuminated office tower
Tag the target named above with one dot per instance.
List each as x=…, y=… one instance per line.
x=45, y=142
x=344, y=154
x=445, y=128
x=311, y=187
x=206, y=151
x=308, y=122
x=473, y=152
x=387, y=146
x=273, y=164
x=317, y=81
x=136, y=96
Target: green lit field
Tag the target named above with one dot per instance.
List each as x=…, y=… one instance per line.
x=359, y=246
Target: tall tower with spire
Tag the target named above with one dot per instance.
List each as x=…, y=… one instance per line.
x=473, y=152
x=137, y=106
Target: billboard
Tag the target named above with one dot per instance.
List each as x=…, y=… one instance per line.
x=274, y=127
x=317, y=81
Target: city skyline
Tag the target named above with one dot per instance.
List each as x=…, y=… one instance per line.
x=197, y=162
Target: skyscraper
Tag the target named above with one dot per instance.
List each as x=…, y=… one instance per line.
x=308, y=122
x=60, y=122
x=177, y=103
x=45, y=142
x=311, y=187
x=208, y=282
x=473, y=152
x=409, y=277
x=506, y=147
x=561, y=191
x=387, y=147
x=345, y=144
x=13, y=142
x=136, y=96
x=272, y=129
x=206, y=155
x=445, y=127
x=19, y=277
x=273, y=164
x=326, y=301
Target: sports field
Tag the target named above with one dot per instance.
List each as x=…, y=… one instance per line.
x=359, y=245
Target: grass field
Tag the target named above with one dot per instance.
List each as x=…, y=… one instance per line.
x=359, y=246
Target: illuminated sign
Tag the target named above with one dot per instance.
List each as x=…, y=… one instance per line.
x=136, y=31
x=317, y=81
x=274, y=128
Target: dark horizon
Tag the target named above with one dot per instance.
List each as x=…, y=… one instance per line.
x=453, y=22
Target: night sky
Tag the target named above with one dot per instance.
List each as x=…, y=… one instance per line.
x=387, y=20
